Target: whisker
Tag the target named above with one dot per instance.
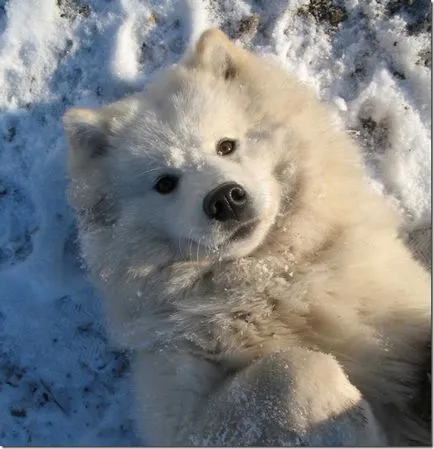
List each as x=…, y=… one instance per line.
x=148, y=171
x=197, y=249
x=179, y=247
x=190, y=249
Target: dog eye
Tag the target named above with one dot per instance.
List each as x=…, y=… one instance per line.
x=226, y=146
x=166, y=184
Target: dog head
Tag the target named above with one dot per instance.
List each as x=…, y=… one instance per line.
x=196, y=160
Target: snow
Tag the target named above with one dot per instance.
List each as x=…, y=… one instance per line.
x=60, y=382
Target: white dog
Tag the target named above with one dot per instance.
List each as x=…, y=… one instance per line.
x=244, y=259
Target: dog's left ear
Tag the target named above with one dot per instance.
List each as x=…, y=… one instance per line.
x=214, y=52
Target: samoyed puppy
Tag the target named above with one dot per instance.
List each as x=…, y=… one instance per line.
x=259, y=283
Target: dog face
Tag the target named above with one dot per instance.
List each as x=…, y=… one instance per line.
x=193, y=160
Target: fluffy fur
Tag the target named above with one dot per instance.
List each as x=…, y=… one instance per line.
x=310, y=328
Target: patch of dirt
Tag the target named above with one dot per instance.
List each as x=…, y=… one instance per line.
x=71, y=9
x=324, y=12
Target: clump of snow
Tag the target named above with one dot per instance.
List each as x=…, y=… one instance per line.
x=61, y=384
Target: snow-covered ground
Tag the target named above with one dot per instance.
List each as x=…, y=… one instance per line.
x=60, y=382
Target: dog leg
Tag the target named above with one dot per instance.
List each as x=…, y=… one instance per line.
x=295, y=398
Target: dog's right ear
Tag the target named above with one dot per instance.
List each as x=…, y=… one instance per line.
x=86, y=130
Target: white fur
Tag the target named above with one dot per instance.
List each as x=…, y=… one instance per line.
x=311, y=330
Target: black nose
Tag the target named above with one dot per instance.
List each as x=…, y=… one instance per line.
x=225, y=202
